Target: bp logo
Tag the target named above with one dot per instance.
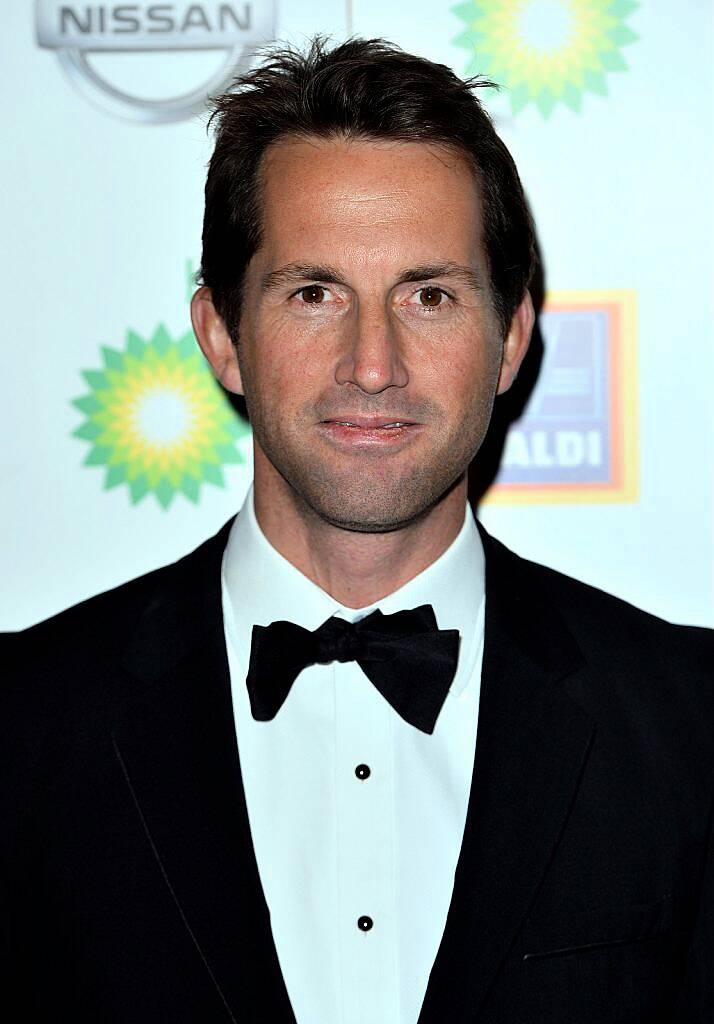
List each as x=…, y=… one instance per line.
x=156, y=419
x=546, y=51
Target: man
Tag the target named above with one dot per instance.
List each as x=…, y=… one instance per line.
x=352, y=760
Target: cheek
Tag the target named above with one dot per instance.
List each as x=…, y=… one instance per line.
x=465, y=346
x=287, y=362
x=461, y=370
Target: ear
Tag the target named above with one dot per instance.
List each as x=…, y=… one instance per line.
x=516, y=344
x=215, y=341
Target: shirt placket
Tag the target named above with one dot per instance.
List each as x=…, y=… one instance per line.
x=365, y=849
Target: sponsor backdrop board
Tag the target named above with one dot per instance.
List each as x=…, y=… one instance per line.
x=120, y=454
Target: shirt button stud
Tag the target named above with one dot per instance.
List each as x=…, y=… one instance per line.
x=364, y=923
x=362, y=771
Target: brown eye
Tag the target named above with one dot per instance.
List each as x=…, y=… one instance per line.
x=430, y=296
x=313, y=293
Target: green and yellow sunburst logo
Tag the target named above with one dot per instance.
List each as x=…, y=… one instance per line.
x=546, y=51
x=157, y=420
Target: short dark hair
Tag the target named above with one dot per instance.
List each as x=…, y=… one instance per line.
x=363, y=88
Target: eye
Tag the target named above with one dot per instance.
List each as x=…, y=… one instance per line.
x=429, y=297
x=313, y=294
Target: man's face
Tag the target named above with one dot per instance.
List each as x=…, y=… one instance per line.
x=369, y=349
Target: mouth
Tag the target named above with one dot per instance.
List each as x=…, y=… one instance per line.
x=369, y=432
x=370, y=422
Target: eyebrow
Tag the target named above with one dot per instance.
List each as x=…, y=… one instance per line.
x=454, y=271
x=293, y=273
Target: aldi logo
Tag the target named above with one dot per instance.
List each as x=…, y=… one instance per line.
x=577, y=439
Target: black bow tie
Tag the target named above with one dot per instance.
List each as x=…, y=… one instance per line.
x=405, y=655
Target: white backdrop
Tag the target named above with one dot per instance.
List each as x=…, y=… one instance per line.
x=608, y=475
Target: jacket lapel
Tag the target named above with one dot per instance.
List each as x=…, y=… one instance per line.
x=532, y=744
x=178, y=751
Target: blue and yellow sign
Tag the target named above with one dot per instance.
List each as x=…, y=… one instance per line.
x=577, y=440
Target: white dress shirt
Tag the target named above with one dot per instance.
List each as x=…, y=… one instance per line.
x=333, y=847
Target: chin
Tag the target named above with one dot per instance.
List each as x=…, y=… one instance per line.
x=359, y=521
x=363, y=507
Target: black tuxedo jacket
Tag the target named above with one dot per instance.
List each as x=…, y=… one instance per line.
x=584, y=890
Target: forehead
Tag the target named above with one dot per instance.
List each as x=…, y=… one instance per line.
x=367, y=194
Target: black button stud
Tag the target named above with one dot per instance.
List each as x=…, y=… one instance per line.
x=362, y=771
x=364, y=923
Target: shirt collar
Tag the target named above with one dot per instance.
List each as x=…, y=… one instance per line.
x=263, y=587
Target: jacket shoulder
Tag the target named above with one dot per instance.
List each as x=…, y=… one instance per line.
x=587, y=607
x=74, y=658
x=95, y=622
x=631, y=653
x=588, y=599
x=640, y=677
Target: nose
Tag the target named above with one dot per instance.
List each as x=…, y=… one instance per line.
x=372, y=359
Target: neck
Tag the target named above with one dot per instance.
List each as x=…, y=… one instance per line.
x=356, y=569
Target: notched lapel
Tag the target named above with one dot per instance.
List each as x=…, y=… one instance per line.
x=532, y=745
x=178, y=751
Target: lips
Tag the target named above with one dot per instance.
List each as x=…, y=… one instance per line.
x=365, y=433
x=370, y=422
